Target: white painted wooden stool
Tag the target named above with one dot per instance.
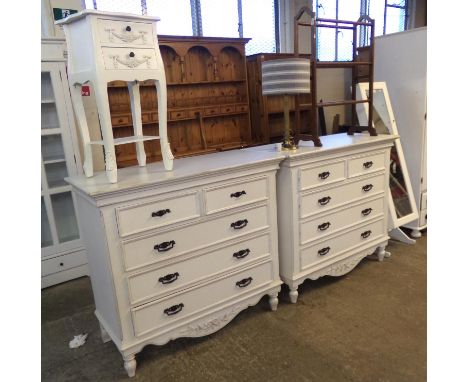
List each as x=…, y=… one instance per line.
x=104, y=47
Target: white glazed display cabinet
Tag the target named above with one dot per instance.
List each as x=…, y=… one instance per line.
x=181, y=253
x=401, y=61
x=63, y=253
x=332, y=206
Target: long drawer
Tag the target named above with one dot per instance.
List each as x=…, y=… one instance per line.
x=316, y=228
x=129, y=58
x=159, y=247
x=165, y=312
x=175, y=276
x=235, y=194
x=337, y=244
x=326, y=199
x=141, y=217
x=124, y=32
x=64, y=262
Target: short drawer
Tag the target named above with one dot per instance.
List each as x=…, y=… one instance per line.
x=340, y=243
x=321, y=175
x=64, y=262
x=226, y=109
x=136, y=218
x=235, y=194
x=316, y=228
x=366, y=164
x=211, y=110
x=193, y=113
x=423, y=218
x=121, y=121
x=154, y=117
x=123, y=32
x=323, y=200
x=146, y=117
x=177, y=114
x=129, y=58
x=242, y=108
x=160, y=247
x=176, y=276
x=171, y=310
x=423, y=201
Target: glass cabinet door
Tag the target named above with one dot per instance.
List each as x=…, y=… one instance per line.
x=59, y=226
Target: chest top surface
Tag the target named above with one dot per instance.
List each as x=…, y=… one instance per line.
x=106, y=15
x=184, y=168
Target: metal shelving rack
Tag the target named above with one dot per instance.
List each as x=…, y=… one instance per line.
x=366, y=33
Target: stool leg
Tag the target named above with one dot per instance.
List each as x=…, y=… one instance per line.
x=75, y=91
x=162, y=112
x=106, y=130
x=134, y=91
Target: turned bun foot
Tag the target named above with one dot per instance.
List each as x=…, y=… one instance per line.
x=293, y=295
x=273, y=301
x=130, y=366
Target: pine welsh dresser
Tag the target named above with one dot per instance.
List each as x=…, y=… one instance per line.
x=332, y=206
x=180, y=253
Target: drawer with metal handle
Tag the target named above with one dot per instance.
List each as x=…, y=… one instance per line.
x=319, y=201
x=176, y=307
x=231, y=195
x=339, y=243
x=159, y=247
x=135, y=218
x=366, y=164
x=153, y=283
x=313, y=229
x=321, y=175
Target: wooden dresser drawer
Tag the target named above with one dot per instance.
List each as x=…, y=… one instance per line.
x=155, y=282
x=136, y=218
x=316, y=228
x=323, y=200
x=233, y=195
x=242, y=108
x=366, y=164
x=152, y=249
x=123, y=32
x=227, y=109
x=211, y=110
x=165, y=312
x=122, y=59
x=321, y=175
x=340, y=243
x=123, y=120
x=177, y=114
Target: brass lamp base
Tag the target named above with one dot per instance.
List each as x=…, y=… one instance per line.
x=288, y=144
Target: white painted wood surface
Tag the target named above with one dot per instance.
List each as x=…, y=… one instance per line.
x=105, y=47
x=189, y=276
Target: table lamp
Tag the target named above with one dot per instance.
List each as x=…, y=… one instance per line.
x=289, y=76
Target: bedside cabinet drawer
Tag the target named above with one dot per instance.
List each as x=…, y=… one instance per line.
x=64, y=262
x=340, y=243
x=120, y=32
x=235, y=194
x=366, y=164
x=171, y=310
x=176, y=276
x=321, y=175
x=324, y=200
x=316, y=228
x=129, y=58
x=142, y=217
x=156, y=248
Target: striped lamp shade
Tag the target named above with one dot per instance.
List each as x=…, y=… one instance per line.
x=286, y=76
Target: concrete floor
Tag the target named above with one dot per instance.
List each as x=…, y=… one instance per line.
x=369, y=325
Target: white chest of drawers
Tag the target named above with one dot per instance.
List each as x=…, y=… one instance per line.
x=332, y=207
x=179, y=254
x=104, y=47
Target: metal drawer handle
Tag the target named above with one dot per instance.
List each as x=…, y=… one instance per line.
x=367, y=187
x=366, y=234
x=239, y=224
x=165, y=246
x=324, y=200
x=366, y=212
x=238, y=194
x=131, y=54
x=128, y=28
x=170, y=278
x=161, y=213
x=244, y=282
x=241, y=254
x=368, y=164
x=324, y=226
x=324, y=175
x=174, y=309
x=323, y=251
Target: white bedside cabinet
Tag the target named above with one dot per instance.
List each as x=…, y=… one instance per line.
x=332, y=206
x=181, y=253
x=104, y=47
